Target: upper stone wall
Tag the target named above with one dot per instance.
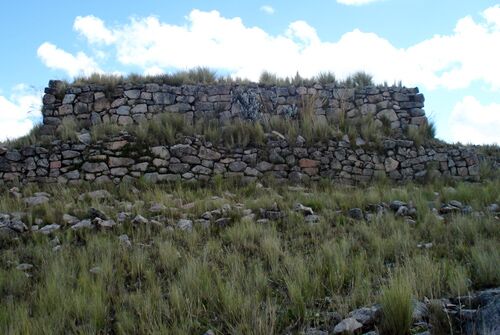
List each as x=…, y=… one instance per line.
x=128, y=103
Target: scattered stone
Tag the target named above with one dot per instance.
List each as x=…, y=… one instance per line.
x=420, y=311
x=122, y=216
x=96, y=213
x=223, y=222
x=493, y=208
x=95, y=270
x=125, y=241
x=466, y=210
x=356, y=213
x=24, y=267
x=455, y=203
x=157, y=208
x=448, y=209
x=402, y=211
x=36, y=200
x=15, y=193
x=70, y=219
x=410, y=222
x=349, y=325
x=488, y=318
x=55, y=241
x=184, y=224
x=84, y=224
x=105, y=223
x=314, y=331
x=49, y=229
x=139, y=219
x=395, y=204
x=298, y=207
x=367, y=316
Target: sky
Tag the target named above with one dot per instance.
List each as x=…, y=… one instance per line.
x=449, y=49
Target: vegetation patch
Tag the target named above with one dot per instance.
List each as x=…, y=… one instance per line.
x=184, y=259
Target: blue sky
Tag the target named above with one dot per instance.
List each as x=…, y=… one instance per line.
x=448, y=48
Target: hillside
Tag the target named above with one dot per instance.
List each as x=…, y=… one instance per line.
x=243, y=208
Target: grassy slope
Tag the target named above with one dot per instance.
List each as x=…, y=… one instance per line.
x=246, y=278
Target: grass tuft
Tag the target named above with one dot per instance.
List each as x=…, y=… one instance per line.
x=396, y=306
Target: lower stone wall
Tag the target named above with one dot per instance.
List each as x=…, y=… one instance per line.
x=120, y=159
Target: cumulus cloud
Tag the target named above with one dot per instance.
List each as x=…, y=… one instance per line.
x=473, y=122
x=19, y=112
x=267, y=9
x=74, y=65
x=356, y=2
x=452, y=61
x=93, y=29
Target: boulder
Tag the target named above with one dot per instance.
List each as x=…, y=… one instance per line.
x=49, y=229
x=237, y=166
x=356, y=213
x=94, y=167
x=36, y=200
x=184, y=224
x=298, y=207
x=349, y=325
x=84, y=224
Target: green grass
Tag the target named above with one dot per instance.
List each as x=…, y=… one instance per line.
x=35, y=136
x=203, y=75
x=397, y=307
x=248, y=277
x=422, y=134
x=167, y=128
x=199, y=75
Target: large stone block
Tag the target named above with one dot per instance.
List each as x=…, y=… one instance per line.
x=120, y=161
x=162, y=98
x=94, y=167
x=390, y=164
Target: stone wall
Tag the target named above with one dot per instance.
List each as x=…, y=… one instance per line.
x=126, y=103
x=192, y=158
x=120, y=158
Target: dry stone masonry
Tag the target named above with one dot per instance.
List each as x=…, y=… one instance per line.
x=120, y=158
x=128, y=103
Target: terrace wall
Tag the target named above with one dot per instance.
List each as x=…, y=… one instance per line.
x=127, y=103
x=192, y=158
x=120, y=159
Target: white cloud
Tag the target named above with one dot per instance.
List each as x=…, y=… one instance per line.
x=356, y=2
x=492, y=15
x=473, y=122
x=470, y=53
x=267, y=9
x=93, y=29
x=19, y=112
x=58, y=59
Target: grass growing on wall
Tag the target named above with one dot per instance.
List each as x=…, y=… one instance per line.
x=247, y=277
x=204, y=75
x=167, y=128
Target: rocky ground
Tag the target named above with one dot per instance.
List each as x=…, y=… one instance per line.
x=250, y=259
